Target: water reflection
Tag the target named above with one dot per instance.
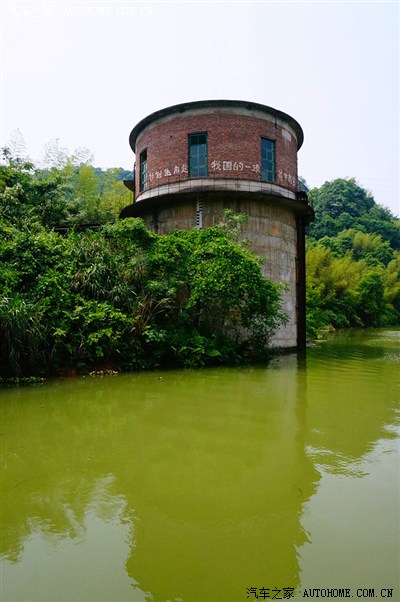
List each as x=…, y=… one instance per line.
x=185, y=485
x=353, y=393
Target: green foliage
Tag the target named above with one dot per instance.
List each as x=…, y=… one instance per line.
x=119, y=296
x=342, y=291
x=21, y=334
x=342, y=205
x=66, y=191
x=124, y=298
x=391, y=282
x=217, y=288
x=359, y=245
x=339, y=197
x=371, y=300
x=353, y=268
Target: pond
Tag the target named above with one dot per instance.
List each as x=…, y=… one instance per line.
x=209, y=485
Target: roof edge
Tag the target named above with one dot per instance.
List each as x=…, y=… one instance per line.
x=200, y=104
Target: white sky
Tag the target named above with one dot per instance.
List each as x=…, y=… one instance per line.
x=87, y=71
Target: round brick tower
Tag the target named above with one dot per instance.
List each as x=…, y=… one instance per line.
x=194, y=160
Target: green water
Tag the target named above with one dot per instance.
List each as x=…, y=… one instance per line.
x=197, y=485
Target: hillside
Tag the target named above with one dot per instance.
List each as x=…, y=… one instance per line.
x=353, y=260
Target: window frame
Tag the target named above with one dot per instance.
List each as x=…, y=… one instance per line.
x=143, y=170
x=270, y=171
x=204, y=163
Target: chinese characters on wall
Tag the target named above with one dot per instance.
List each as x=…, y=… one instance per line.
x=166, y=172
x=222, y=166
x=234, y=166
x=286, y=178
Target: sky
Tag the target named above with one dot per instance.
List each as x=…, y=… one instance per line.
x=85, y=72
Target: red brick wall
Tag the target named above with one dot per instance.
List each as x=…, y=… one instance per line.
x=233, y=148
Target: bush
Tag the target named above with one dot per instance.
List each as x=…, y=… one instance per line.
x=125, y=298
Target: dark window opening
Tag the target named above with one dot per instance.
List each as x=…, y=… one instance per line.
x=198, y=155
x=267, y=160
x=143, y=170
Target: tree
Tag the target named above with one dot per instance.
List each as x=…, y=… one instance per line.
x=371, y=300
x=125, y=297
x=341, y=196
x=28, y=195
x=66, y=191
x=342, y=205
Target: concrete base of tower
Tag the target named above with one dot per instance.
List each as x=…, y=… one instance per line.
x=272, y=229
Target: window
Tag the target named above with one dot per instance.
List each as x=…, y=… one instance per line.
x=143, y=170
x=267, y=160
x=197, y=155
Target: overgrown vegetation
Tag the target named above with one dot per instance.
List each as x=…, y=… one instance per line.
x=65, y=191
x=121, y=297
x=353, y=260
